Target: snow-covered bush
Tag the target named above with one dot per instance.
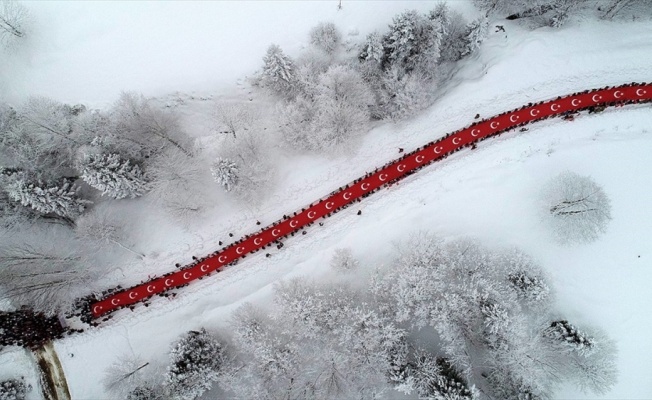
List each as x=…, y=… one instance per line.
x=196, y=359
x=279, y=73
x=326, y=37
x=344, y=261
x=576, y=207
x=14, y=389
x=114, y=176
x=225, y=173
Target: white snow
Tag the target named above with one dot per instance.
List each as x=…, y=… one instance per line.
x=490, y=193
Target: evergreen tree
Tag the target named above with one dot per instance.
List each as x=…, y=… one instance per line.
x=279, y=72
x=225, y=173
x=115, y=177
x=412, y=43
x=196, y=361
x=372, y=50
x=436, y=378
x=567, y=333
x=14, y=389
x=529, y=288
x=476, y=34
x=60, y=199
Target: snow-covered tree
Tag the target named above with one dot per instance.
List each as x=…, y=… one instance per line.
x=476, y=34
x=401, y=97
x=138, y=125
x=56, y=199
x=13, y=16
x=344, y=261
x=145, y=393
x=14, y=389
x=225, y=173
x=342, y=101
x=454, y=42
x=279, y=72
x=627, y=8
x=412, y=43
x=326, y=37
x=437, y=378
x=196, y=359
x=488, y=311
x=576, y=207
x=114, y=176
x=372, y=49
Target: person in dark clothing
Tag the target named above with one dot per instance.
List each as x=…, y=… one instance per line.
x=359, y=212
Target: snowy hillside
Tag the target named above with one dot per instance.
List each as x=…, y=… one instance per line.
x=490, y=193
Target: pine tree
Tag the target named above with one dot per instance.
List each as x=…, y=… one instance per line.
x=58, y=199
x=529, y=288
x=279, y=72
x=372, y=50
x=436, y=378
x=225, y=173
x=476, y=34
x=115, y=177
x=567, y=333
x=412, y=43
x=196, y=361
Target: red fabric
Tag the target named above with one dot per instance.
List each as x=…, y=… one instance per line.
x=396, y=170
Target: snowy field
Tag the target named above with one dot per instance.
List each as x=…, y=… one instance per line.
x=489, y=193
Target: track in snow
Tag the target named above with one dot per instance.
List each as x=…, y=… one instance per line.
x=360, y=188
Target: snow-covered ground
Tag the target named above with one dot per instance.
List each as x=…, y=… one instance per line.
x=489, y=193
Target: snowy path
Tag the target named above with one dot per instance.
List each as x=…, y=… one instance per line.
x=362, y=187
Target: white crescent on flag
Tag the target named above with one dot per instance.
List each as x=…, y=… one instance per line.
x=96, y=309
x=184, y=275
x=365, y=186
x=573, y=102
x=382, y=177
x=640, y=92
x=401, y=168
x=115, y=302
x=258, y=240
x=618, y=94
x=347, y=195
x=329, y=206
x=475, y=132
x=311, y=214
x=513, y=118
x=554, y=107
x=168, y=282
x=132, y=295
x=293, y=223
x=240, y=250
x=534, y=112
x=596, y=98
x=204, y=268
x=438, y=149
x=149, y=288
x=221, y=258
x=456, y=140
x=275, y=232
x=494, y=126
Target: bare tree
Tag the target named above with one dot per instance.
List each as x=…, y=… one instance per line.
x=576, y=207
x=45, y=272
x=98, y=226
x=125, y=375
x=13, y=16
x=234, y=117
x=344, y=261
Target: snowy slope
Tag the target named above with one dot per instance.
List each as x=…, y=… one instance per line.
x=489, y=193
